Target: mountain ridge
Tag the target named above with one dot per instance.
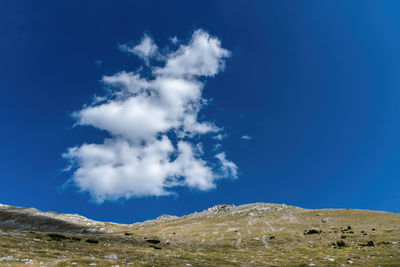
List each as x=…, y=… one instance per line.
x=256, y=234
x=71, y=217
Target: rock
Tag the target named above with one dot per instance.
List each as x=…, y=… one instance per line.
x=340, y=243
x=166, y=218
x=128, y=234
x=57, y=237
x=153, y=241
x=329, y=259
x=8, y=258
x=350, y=261
x=311, y=232
x=219, y=208
x=111, y=256
x=155, y=247
x=92, y=241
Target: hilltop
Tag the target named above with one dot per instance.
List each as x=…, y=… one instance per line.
x=258, y=234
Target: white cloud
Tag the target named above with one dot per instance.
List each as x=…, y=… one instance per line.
x=195, y=171
x=246, y=137
x=129, y=81
x=118, y=169
x=201, y=57
x=145, y=50
x=174, y=40
x=228, y=168
x=138, y=112
x=220, y=136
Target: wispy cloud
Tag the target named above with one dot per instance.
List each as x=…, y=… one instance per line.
x=145, y=50
x=220, y=136
x=174, y=40
x=246, y=137
x=138, y=111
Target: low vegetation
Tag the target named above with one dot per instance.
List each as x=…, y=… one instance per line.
x=251, y=235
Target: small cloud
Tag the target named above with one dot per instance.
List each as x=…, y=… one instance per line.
x=98, y=99
x=219, y=136
x=217, y=147
x=145, y=50
x=98, y=63
x=174, y=40
x=203, y=56
x=228, y=168
x=246, y=137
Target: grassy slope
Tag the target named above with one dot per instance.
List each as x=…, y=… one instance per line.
x=253, y=236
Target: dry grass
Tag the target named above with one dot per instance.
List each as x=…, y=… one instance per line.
x=253, y=237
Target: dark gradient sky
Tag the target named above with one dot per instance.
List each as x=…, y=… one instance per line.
x=315, y=83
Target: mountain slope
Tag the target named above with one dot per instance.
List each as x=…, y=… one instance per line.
x=257, y=234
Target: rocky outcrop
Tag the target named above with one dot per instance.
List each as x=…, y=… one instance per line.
x=30, y=218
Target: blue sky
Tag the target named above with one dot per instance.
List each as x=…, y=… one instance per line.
x=315, y=85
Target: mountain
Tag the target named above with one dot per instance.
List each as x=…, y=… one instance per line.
x=257, y=234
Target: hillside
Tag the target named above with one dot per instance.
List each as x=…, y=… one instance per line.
x=257, y=234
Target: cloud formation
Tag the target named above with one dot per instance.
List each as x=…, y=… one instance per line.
x=246, y=137
x=145, y=50
x=152, y=122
